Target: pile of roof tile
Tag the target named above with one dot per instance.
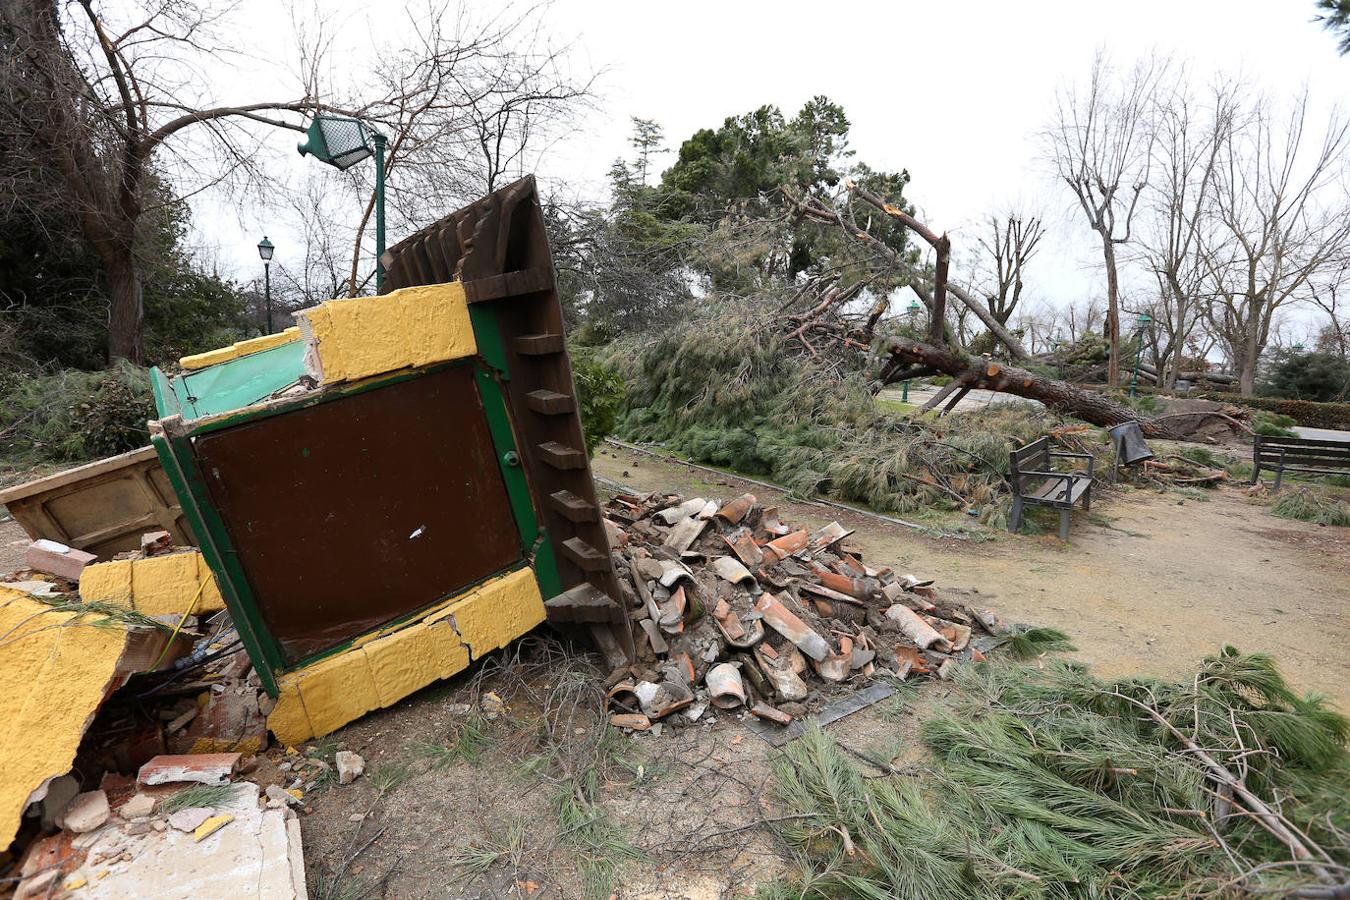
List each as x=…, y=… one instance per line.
x=734, y=608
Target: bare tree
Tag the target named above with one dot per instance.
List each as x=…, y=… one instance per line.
x=1328, y=294
x=1283, y=219
x=1099, y=144
x=98, y=98
x=1009, y=242
x=464, y=103
x=1188, y=137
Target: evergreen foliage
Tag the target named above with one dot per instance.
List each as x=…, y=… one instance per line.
x=1320, y=377
x=1048, y=782
x=73, y=416
x=1310, y=505
x=721, y=389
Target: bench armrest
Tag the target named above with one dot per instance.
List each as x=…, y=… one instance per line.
x=1075, y=455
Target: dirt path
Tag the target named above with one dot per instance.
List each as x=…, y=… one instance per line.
x=1147, y=585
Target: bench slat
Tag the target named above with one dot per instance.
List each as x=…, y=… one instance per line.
x=1052, y=491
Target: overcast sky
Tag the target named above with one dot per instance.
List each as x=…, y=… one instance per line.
x=954, y=92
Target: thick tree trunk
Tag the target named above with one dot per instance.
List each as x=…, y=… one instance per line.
x=1060, y=396
x=1112, y=311
x=126, y=309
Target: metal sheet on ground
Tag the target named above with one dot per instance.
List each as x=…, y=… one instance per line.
x=777, y=735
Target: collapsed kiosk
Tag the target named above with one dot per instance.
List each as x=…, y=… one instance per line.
x=399, y=485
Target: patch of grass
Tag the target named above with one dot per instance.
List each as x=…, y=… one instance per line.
x=1310, y=505
x=600, y=844
x=389, y=776
x=343, y=886
x=1028, y=643
x=481, y=855
x=468, y=741
x=896, y=707
x=204, y=795
x=895, y=407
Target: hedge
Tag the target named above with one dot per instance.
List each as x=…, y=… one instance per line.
x=1305, y=412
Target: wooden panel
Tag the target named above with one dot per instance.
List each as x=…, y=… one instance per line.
x=103, y=507
x=549, y=403
x=585, y=556
x=573, y=507
x=342, y=514
x=562, y=457
x=539, y=344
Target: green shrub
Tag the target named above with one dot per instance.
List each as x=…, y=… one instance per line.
x=600, y=394
x=1323, y=377
x=1303, y=412
x=73, y=416
x=1310, y=505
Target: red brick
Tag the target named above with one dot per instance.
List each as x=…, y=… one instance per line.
x=206, y=768
x=58, y=559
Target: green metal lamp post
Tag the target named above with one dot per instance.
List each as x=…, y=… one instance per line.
x=265, y=250
x=342, y=142
x=1142, y=321
x=913, y=310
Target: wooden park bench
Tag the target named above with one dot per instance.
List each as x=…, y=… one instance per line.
x=1036, y=483
x=1306, y=456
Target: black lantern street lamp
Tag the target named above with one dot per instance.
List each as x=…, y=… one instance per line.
x=265, y=250
x=342, y=142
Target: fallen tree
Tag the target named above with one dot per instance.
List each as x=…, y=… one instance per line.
x=827, y=319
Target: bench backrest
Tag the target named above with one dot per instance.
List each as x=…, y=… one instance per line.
x=1034, y=457
x=1304, y=453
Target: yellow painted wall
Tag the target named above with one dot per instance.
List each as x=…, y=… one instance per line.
x=240, y=348
x=379, y=672
x=157, y=585
x=364, y=336
x=54, y=672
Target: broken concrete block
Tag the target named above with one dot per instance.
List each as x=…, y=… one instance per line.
x=156, y=542
x=204, y=768
x=190, y=819
x=138, y=806
x=57, y=559
x=85, y=812
x=58, y=794
x=350, y=766
x=280, y=795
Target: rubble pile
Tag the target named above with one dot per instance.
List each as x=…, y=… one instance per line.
x=184, y=826
x=735, y=609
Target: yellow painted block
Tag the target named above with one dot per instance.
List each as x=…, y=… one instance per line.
x=211, y=826
x=209, y=358
x=410, y=659
x=454, y=656
x=240, y=348
x=364, y=336
x=165, y=585
x=107, y=582
x=212, y=600
x=498, y=612
x=288, y=719
x=338, y=690
x=55, y=669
